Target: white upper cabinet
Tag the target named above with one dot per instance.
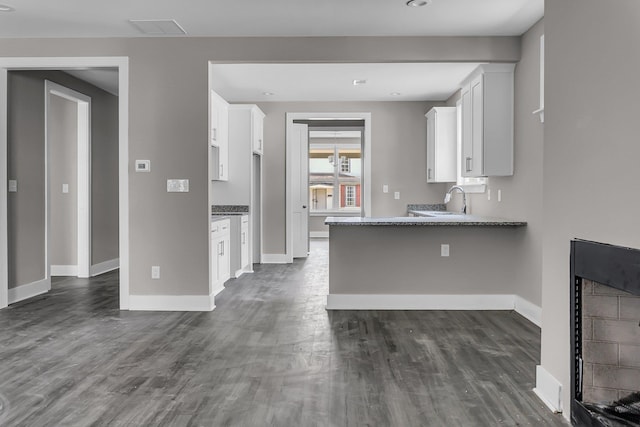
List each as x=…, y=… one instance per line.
x=219, y=137
x=441, y=144
x=257, y=133
x=487, y=121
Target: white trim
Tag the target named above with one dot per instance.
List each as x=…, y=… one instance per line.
x=528, y=310
x=215, y=292
x=238, y=273
x=319, y=234
x=83, y=161
x=29, y=290
x=548, y=389
x=172, y=302
x=105, y=267
x=64, y=270
x=53, y=63
x=419, y=302
x=275, y=259
x=4, y=247
x=366, y=158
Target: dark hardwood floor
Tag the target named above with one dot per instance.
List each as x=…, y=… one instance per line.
x=269, y=354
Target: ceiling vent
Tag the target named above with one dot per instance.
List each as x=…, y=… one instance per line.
x=158, y=27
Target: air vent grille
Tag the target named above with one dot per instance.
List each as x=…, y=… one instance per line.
x=158, y=27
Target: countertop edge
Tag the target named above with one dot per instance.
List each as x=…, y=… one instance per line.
x=425, y=221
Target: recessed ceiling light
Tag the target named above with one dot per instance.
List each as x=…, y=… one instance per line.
x=5, y=8
x=417, y=3
x=395, y=94
x=268, y=93
x=359, y=82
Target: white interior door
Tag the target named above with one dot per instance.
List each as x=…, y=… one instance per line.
x=300, y=190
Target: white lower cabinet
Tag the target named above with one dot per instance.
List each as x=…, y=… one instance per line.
x=220, y=253
x=240, y=245
x=244, y=242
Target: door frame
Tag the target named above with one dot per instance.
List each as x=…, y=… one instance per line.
x=366, y=158
x=83, y=180
x=61, y=63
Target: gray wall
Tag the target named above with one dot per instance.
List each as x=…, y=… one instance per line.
x=316, y=223
x=591, y=148
x=398, y=143
x=406, y=260
x=26, y=164
x=522, y=192
x=168, y=125
x=63, y=169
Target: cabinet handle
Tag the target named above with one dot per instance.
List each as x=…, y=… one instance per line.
x=221, y=248
x=244, y=240
x=429, y=173
x=214, y=134
x=468, y=164
x=221, y=170
x=260, y=144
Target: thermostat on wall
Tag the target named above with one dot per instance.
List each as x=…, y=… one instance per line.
x=143, y=165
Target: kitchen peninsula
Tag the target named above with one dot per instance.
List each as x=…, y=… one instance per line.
x=441, y=260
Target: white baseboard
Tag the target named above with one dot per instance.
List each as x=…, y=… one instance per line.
x=275, y=259
x=172, y=302
x=548, y=389
x=29, y=290
x=528, y=310
x=104, y=267
x=419, y=302
x=216, y=291
x=64, y=270
x=319, y=234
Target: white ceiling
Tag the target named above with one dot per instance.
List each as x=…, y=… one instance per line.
x=83, y=18
x=334, y=82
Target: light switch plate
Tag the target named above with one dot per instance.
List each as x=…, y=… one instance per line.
x=143, y=165
x=177, y=186
x=13, y=186
x=396, y=195
x=444, y=250
x=65, y=188
x=385, y=188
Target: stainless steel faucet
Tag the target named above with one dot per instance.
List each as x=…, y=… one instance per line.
x=447, y=197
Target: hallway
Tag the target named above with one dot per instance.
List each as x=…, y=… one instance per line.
x=269, y=354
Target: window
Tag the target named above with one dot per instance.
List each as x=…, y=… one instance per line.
x=345, y=164
x=335, y=173
x=350, y=195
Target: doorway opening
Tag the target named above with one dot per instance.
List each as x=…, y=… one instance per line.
x=67, y=149
x=34, y=182
x=328, y=173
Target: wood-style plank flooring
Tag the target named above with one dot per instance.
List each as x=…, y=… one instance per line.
x=268, y=355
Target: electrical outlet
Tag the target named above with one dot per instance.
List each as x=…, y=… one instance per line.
x=155, y=272
x=65, y=188
x=177, y=186
x=13, y=186
x=396, y=195
x=499, y=195
x=385, y=188
x=444, y=249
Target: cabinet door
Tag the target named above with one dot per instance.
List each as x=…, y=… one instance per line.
x=477, y=126
x=431, y=146
x=258, y=132
x=244, y=242
x=215, y=267
x=219, y=122
x=467, y=141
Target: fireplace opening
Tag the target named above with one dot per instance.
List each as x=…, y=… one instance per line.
x=605, y=322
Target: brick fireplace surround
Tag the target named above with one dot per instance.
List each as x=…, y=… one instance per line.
x=605, y=305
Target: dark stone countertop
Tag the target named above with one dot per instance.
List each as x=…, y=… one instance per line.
x=449, y=220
